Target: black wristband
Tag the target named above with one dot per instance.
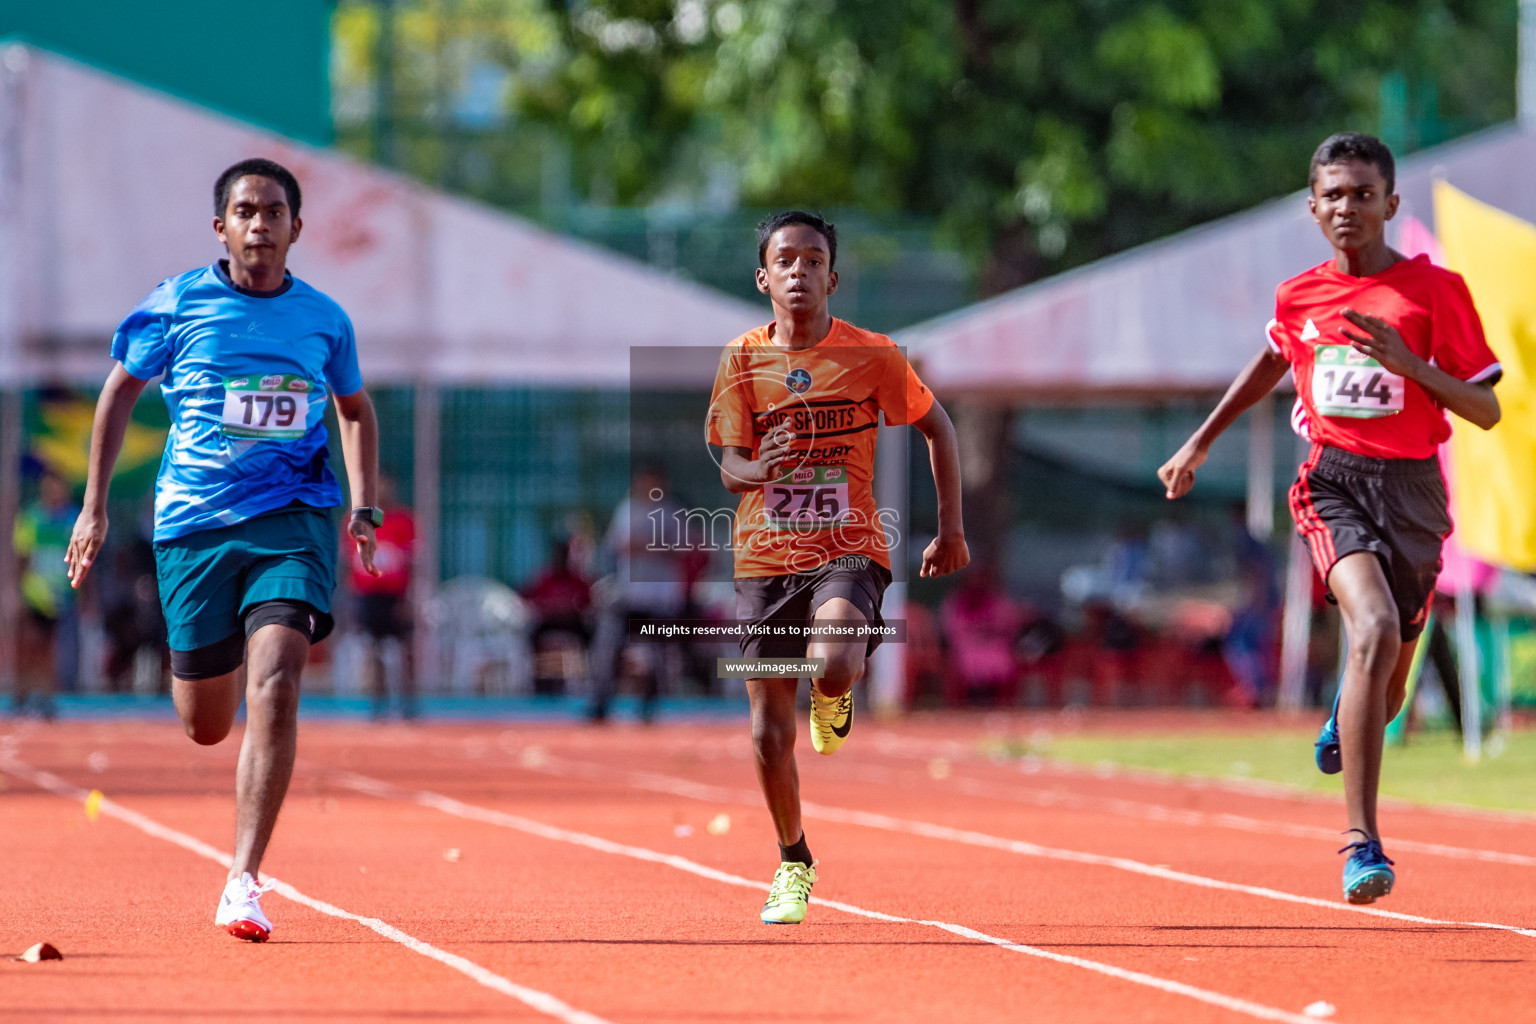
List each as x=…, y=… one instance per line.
x=368, y=514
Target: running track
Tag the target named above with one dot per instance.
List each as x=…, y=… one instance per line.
x=554, y=873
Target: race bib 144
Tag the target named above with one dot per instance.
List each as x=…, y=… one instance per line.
x=267, y=407
x=808, y=498
x=1351, y=384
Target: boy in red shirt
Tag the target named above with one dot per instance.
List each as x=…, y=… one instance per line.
x=384, y=601
x=1380, y=346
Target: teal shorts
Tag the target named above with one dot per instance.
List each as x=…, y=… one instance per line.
x=209, y=578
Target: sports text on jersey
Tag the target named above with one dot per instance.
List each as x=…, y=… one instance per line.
x=832, y=415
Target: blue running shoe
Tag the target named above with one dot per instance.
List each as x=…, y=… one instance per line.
x=1368, y=871
x=1329, y=760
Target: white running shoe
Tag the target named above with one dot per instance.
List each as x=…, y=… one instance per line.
x=240, y=909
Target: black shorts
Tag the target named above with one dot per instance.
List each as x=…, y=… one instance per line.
x=384, y=615
x=224, y=656
x=794, y=598
x=1394, y=508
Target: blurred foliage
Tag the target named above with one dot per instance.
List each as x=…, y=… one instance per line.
x=1036, y=135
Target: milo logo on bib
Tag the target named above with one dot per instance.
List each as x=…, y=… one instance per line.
x=276, y=408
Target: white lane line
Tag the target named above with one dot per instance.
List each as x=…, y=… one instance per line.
x=448, y=805
x=718, y=794
x=1148, y=811
x=909, y=749
x=1236, y=822
x=543, y=1002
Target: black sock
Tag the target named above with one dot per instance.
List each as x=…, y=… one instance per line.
x=798, y=852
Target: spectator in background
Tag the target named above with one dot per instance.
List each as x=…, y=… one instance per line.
x=129, y=598
x=1441, y=653
x=49, y=645
x=1179, y=555
x=384, y=601
x=981, y=624
x=648, y=582
x=561, y=599
x=1250, y=647
x=1127, y=566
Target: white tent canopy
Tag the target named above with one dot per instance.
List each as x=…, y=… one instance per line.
x=106, y=189
x=1185, y=313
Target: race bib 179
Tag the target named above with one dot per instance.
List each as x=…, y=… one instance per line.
x=808, y=498
x=267, y=407
x=1349, y=383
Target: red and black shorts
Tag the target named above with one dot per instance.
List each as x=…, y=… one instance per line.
x=794, y=598
x=1394, y=508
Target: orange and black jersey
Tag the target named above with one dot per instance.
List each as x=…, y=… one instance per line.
x=831, y=396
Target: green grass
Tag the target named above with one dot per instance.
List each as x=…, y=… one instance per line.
x=1430, y=769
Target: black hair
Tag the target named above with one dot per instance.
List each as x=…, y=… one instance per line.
x=768, y=225
x=260, y=168
x=1354, y=146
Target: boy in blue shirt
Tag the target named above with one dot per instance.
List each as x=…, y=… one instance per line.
x=248, y=357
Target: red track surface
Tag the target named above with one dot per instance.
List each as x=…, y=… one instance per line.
x=985, y=849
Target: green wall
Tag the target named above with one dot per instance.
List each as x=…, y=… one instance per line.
x=265, y=62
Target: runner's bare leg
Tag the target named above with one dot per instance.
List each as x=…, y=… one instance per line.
x=1397, y=687
x=773, y=743
x=844, y=659
x=1376, y=658
x=275, y=659
x=207, y=707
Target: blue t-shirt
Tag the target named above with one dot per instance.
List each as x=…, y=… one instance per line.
x=247, y=376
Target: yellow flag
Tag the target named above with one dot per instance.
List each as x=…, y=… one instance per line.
x=1494, y=472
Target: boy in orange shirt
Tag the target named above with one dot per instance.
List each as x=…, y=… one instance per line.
x=795, y=412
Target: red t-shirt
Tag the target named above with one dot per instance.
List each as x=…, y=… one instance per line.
x=559, y=592
x=396, y=543
x=1347, y=400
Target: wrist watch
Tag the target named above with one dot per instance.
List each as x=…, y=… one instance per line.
x=368, y=514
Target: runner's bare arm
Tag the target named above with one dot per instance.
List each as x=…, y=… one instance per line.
x=947, y=552
x=359, y=430
x=740, y=472
x=113, y=408
x=1257, y=379
x=1475, y=403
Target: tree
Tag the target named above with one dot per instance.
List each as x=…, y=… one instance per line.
x=1041, y=135
x=1037, y=135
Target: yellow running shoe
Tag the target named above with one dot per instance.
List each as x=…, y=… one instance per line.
x=790, y=892
x=831, y=719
